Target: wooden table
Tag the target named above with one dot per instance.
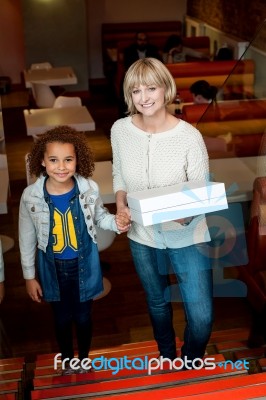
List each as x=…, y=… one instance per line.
x=58, y=76
x=15, y=99
x=41, y=120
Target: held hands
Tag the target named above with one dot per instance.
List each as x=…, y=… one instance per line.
x=123, y=220
x=34, y=290
x=2, y=291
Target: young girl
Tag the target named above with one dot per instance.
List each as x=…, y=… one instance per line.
x=58, y=214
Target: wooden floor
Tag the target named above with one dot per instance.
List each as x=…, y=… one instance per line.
x=26, y=328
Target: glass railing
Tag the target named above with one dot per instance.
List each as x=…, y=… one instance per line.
x=238, y=116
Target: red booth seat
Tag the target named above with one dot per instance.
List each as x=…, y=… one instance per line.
x=240, y=83
x=243, y=120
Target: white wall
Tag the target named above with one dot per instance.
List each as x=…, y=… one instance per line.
x=108, y=11
x=56, y=31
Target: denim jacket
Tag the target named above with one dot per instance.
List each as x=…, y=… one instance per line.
x=35, y=221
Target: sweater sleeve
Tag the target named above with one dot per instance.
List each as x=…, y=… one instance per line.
x=198, y=159
x=116, y=132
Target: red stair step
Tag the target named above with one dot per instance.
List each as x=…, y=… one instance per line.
x=229, y=335
x=262, y=363
x=9, y=396
x=250, y=353
x=10, y=376
x=232, y=345
x=10, y=368
x=193, y=389
x=246, y=393
x=8, y=387
x=148, y=347
x=15, y=360
x=132, y=384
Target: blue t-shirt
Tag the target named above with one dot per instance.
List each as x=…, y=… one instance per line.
x=65, y=244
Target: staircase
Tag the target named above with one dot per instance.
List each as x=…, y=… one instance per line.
x=12, y=378
x=245, y=379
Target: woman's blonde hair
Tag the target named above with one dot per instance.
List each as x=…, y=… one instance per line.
x=148, y=71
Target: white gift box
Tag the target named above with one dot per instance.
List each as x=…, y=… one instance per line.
x=186, y=199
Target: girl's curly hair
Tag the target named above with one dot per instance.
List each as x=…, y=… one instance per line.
x=62, y=134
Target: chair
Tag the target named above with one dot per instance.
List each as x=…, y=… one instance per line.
x=64, y=101
x=43, y=95
x=43, y=65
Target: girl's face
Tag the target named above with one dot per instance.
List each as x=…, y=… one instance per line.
x=148, y=100
x=60, y=161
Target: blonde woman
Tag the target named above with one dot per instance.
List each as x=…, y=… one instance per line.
x=152, y=148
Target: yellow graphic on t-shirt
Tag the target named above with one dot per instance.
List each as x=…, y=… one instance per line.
x=64, y=231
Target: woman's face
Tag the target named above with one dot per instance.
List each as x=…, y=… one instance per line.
x=148, y=99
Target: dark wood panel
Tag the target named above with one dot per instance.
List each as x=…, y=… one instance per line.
x=242, y=18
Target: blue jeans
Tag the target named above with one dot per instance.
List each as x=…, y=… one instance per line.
x=70, y=310
x=193, y=271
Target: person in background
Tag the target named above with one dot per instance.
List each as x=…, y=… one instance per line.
x=224, y=54
x=2, y=274
x=203, y=92
x=154, y=149
x=140, y=49
x=58, y=214
x=175, y=52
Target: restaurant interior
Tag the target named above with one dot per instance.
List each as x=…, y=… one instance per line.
x=61, y=63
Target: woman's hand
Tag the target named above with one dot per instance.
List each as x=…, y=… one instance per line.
x=123, y=219
x=34, y=290
x=2, y=291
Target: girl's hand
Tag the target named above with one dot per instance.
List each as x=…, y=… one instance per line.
x=2, y=291
x=34, y=290
x=123, y=220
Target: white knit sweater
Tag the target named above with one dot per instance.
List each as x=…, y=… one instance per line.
x=142, y=160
